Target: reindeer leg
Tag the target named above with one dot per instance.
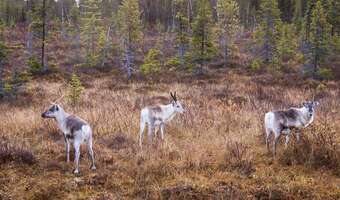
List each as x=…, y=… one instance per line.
x=156, y=131
x=276, y=139
x=298, y=136
x=141, y=131
x=76, y=155
x=268, y=133
x=151, y=127
x=67, y=148
x=162, y=130
x=90, y=151
x=287, y=131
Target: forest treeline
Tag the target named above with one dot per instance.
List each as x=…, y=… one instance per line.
x=148, y=36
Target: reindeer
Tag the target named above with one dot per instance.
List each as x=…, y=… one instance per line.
x=158, y=116
x=75, y=130
x=282, y=121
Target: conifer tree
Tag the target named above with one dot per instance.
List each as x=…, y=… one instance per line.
x=152, y=62
x=74, y=18
x=129, y=31
x=333, y=16
x=287, y=43
x=319, y=35
x=228, y=24
x=91, y=27
x=182, y=29
x=202, y=38
x=75, y=89
x=3, y=53
x=269, y=29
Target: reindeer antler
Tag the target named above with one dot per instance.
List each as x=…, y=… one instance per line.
x=173, y=96
x=60, y=98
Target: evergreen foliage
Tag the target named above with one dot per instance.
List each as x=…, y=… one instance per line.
x=320, y=34
x=152, y=62
x=75, y=89
x=129, y=31
x=228, y=24
x=202, y=41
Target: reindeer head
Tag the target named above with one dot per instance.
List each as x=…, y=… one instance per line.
x=310, y=107
x=52, y=112
x=176, y=104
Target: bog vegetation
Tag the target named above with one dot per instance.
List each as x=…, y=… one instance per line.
x=230, y=61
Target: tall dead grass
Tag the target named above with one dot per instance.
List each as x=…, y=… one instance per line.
x=215, y=150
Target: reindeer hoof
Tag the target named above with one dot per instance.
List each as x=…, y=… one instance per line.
x=93, y=167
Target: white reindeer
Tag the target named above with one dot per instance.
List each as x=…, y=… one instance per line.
x=282, y=121
x=75, y=130
x=157, y=117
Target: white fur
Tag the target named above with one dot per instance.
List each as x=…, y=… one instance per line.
x=157, y=119
x=81, y=136
x=273, y=125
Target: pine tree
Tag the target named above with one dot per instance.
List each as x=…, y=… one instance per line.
x=319, y=35
x=228, y=24
x=333, y=16
x=202, y=38
x=182, y=29
x=152, y=62
x=129, y=31
x=91, y=26
x=74, y=18
x=268, y=31
x=287, y=43
x=75, y=89
x=3, y=53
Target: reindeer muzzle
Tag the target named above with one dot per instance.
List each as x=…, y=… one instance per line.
x=43, y=115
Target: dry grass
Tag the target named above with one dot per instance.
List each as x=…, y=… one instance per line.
x=214, y=151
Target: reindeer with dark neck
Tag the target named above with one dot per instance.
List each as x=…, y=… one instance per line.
x=75, y=130
x=282, y=121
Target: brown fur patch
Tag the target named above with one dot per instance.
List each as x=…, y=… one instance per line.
x=74, y=124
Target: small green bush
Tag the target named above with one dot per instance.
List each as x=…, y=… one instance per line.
x=152, y=62
x=75, y=89
x=173, y=62
x=34, y=66
x=256, y=64
x=325, y=73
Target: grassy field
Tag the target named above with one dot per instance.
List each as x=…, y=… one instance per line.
x=215, y=150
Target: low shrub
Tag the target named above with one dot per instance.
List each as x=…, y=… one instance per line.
x=325, y=73
x=34, y=66
x=318, y=148
x=256, y=65
x=237, y=158
x=15, y=153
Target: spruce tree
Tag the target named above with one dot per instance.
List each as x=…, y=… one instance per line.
x=91, y=26
x=269, y=29
x=75, y=89
x=3, y=53
x=129, y=31
x=228, y=23
x=182, y=29
x=287, y=43
x=319, y=35
x=152, y=62
x=202, y=39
